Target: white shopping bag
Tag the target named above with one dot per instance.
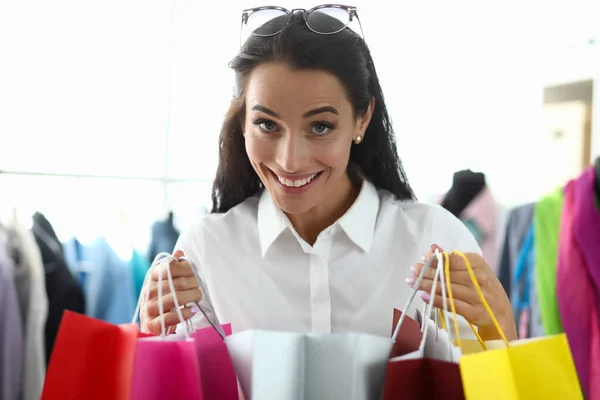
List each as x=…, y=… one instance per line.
x=290, y=366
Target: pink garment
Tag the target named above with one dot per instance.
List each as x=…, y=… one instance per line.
x=483, y=211
x=587, y=231
x=573, y=289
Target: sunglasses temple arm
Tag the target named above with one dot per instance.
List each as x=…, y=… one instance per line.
x=360, y=26
x=241, y=29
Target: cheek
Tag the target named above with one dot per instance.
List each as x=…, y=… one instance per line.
x=258, y=151
x=335, y=156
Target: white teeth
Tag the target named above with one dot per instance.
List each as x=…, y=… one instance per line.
x=298, y=183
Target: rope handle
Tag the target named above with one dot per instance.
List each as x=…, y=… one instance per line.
x=481, y=296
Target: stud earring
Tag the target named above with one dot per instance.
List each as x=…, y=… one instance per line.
x=358, y=139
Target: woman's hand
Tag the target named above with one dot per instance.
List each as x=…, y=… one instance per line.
x=466, y=299
x=186, y=289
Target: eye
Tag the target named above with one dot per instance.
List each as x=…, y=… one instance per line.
x=321, y=128
x=266, y=125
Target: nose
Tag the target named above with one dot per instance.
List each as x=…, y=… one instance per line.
x=292, y=153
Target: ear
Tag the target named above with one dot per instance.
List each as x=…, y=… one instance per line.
x=365, y=118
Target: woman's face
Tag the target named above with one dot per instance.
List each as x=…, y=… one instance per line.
x=298, y=129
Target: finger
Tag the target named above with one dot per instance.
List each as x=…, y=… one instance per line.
x=177, y=269
x=168, y=301
x=462, y=308
x=418, y=267
x=433, y=248
x=170, y=318
x=182, y=283
x=178, y=254
x=459, y=292
x=458, y=263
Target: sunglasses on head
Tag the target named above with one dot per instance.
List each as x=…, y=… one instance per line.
x=326, y=19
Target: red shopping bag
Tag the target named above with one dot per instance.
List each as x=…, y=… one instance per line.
x=430, y=372
x=218, y=377
x=92, y=359
x=423, y=378
x=409, y=336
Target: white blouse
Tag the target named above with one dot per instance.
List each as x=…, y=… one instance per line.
x=260, y=274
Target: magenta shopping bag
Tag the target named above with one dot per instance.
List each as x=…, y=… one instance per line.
x=166, y=368
x=217, y=374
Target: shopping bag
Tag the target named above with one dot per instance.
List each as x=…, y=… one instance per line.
x=538, y=368
x=92, y=359
x=289, y=365
x=409, y=336
x=166, y=368
x=217, y=374
x=430, y=372
x=193, y=365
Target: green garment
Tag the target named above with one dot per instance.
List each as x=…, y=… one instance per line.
x=546, y=221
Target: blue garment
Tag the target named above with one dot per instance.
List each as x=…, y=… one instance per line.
x=106, y=279
x=139, y=267
x=523, y=275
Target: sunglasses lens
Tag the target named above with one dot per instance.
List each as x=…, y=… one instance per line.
x=267, y=22
x=328, y=20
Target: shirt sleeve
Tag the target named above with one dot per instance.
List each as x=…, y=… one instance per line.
x=451, y=234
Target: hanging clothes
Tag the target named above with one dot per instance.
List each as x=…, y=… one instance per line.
x=522, y=282
x=164, y=237
x=37, y=313
x=472, y=202
x=466, y=185
x=518, y=222
x=64, y=292
x=481, y=217
x=546, y=220
x=139, y=266
x=108, y=281
x=586, y=228
x=12, y=347
x=573, y=289
x=21, y=273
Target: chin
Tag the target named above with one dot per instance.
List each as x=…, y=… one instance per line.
x=292, y=206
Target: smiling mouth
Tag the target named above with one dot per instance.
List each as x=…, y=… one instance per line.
x=298, y=183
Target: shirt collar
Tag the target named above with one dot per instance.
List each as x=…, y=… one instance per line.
x=358, y=222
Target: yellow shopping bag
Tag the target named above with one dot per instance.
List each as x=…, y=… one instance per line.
x=540, y=368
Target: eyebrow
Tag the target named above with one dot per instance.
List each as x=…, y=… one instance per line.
x=316, y=111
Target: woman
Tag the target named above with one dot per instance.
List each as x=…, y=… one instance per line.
x=314, y=226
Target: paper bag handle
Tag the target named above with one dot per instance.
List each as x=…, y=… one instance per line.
x=159, y=260
x=216, y=324
x=412, y=297
x=481, y=296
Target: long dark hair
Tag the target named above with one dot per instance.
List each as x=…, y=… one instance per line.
x=344, y=54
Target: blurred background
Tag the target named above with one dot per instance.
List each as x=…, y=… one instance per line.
x=113, y=108
x=110, y=111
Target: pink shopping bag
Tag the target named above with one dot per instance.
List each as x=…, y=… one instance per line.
x=217, y=374
x=166, y=368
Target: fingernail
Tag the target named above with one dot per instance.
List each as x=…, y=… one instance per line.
x=194, y=309
x=412, y=268
x=425, y=296
x=424, y=258
x=410, y=280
